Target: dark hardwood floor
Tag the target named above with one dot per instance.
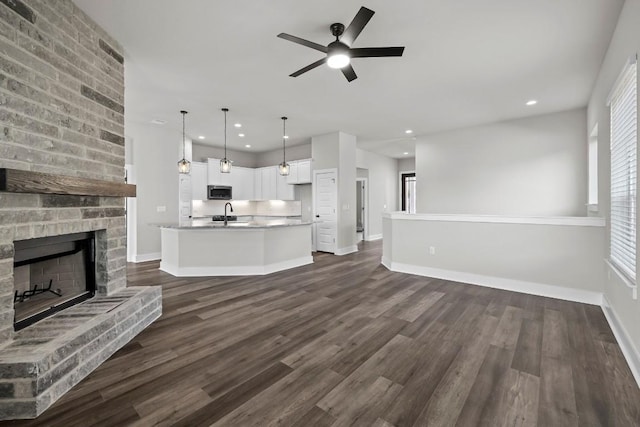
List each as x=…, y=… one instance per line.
x=346, y=342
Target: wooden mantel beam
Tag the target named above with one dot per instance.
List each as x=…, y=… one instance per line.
x=22, y=181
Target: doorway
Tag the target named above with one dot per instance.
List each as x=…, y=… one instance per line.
x=325, y=195
x=361, y=209
x=408, y=180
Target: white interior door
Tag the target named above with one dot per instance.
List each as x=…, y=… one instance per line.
x=326, y=196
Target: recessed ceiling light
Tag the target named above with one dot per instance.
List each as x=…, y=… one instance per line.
x=158, y=122
x=201, y=137
x=286, y=137
x=408, y=131
x=532, y=102
x=248, y=145
x=241, y=135
x=238, y=125
x=405, y=153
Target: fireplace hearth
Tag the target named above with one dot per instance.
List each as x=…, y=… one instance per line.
x=52, y=274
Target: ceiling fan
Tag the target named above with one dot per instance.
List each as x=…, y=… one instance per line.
x=339, y=52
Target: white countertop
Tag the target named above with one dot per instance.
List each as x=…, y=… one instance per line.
x=235, y=225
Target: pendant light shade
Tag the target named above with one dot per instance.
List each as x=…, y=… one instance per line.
x=283, y=167
x=225, y=164
x=184, y=165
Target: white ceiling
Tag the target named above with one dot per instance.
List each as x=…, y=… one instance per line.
x=466, y=62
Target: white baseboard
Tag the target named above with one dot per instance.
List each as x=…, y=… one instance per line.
x=373, y=237
x=147, y=257
x=347, y=250
x=240, y=270
x=540, y=289
x=630, y=352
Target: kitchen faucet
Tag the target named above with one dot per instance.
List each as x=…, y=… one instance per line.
x=225, y=211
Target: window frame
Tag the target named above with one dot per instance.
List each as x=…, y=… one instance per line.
x=623, y=144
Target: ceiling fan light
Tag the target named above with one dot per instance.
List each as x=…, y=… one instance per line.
x=339, y=60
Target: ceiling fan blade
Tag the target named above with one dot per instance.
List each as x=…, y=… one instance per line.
x=369, y=52
x=303, y=42
x=359, y=21
x=308, y=67
x=349, y=72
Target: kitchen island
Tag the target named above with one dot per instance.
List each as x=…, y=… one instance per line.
x=207, y=248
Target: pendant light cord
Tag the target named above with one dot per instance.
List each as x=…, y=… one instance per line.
x=284, y=133
x=184, y=113
x=225, y=131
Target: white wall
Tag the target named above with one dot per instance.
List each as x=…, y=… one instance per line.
x=560, y=259
x=624, y=44
x=274, y=157
x=156, y=151
x=337, y=150
x=382, y=188
x=347, y=193
x=532, y=166
x=203, y=152
x=407, y=164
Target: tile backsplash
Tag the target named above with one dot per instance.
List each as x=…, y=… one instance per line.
x=278, y=208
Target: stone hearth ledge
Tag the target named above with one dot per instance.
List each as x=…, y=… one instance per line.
x=47, y=359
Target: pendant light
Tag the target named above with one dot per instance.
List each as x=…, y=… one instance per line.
x=184, y=165
x=284, y=166
x=225, y=164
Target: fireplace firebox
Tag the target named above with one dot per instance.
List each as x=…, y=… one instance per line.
x=51, y=274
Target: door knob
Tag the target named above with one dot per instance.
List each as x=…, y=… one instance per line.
x=317, y=216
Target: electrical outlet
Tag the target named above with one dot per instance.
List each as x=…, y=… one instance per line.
x=161, y=208
x=432, y=250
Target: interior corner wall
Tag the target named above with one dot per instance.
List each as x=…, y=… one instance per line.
x=536, y=166
x=625, y=43
x=382, y=191
x=347, y=192
x=337, y=150
x=407, y=164
x=156, y=151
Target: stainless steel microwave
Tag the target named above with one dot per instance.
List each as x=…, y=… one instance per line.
x=218, y=192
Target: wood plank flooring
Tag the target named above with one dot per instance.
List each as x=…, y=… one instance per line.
x=345, y=342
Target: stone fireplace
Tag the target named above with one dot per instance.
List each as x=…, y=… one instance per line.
x=51, y=274
x=61, y=174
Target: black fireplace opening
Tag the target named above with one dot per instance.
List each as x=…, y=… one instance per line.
x=51, y=274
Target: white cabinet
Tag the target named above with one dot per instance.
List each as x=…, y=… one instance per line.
x=292, y=178
x=284, y=190
x=257, y=184
x=304, y=171
x=269, y=183
x=252, y=184
x=198, y=181
x=242, y=183
x=299, y=172
x=215, y=177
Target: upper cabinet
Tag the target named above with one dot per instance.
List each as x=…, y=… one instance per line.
x=300, y=172
x=284, y=190
x=269, y=182
x=215, y=176
x=254, y=184
x=198, y=181
x=242, y=183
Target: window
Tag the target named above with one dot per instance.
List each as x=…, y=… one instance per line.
x=409, y=192
x=624, y=137
x=593, y=169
